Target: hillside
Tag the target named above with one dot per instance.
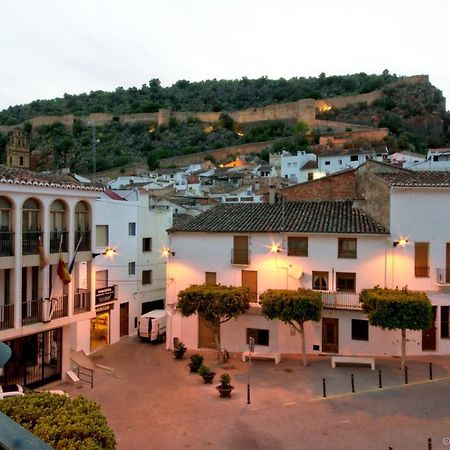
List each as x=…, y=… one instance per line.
x=415, y=115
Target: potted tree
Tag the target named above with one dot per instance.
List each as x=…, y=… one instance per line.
x=196, y=362
x=206, y=374
x=225, y=387
x=179, y=350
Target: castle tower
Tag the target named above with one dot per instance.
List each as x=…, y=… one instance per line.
x=18, y=151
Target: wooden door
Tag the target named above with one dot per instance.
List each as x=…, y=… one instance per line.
x=205, y=335
x=330, y=335
x=124, y=319
x=429, y=335
x=240, y=250
x=447, y=262
x=250, y=280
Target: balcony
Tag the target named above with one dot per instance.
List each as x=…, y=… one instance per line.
x=60, y=308
x=44, y=310
x=31, y=312
x=58, y=238
x=85, y=243
x=341, y=300
x=240, y=256
x=30, y=242
x=443, y=276
x=6, y=243
x=6, y=317
x=81, y=301
x=422, y=271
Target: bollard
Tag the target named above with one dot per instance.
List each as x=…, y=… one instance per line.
x=406, y=374
x=353, y=384
x=324, y=387
x=429, y=444
x=390, y=447
x=380, y=385
x=248, y=394
x=431, y=371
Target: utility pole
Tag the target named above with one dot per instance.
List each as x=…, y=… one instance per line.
x=94, y=152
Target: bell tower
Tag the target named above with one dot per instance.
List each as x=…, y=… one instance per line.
x=18, y=151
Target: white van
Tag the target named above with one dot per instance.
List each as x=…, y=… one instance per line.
x=152, y=326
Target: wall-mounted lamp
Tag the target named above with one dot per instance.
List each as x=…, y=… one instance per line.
x=166, y=252
x=275, y=248
x=108, y=252
x=400, y=242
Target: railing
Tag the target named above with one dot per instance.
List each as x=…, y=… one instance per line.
x=340, y=300
x=85, y=244
x=240, y=256
x=6, y=243
x=6, y=317
x=30, y=242
x=81, y=301
x=31, y=312
x=422, y=271
x=443, y=276
x=60, y=307
x=55, y=241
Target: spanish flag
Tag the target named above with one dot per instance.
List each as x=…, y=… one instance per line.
x=62, y=271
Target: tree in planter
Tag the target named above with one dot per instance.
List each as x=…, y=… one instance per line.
x=394, y=309
x=61, y=421
x=293, y=308
x=215, y=304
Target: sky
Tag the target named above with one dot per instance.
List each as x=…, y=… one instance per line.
x=52, y=47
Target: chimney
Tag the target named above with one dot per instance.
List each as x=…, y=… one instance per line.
x=272, y=196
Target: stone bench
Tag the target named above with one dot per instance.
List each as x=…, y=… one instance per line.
x=353, y=360
x=262, y=355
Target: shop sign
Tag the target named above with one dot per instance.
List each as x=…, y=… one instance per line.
x=104, y=308
x=106, y=294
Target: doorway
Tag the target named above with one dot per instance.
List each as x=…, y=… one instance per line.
x=205, y=335
x=124, y=319
x=99, y=331
x=330, y=335
x=429, y=335
x=250, y=281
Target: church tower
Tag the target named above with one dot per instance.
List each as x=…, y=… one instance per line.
x=18, y=151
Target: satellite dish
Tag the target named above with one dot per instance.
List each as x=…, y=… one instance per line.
x=5, y=354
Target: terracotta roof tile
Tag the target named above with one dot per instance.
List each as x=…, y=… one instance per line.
x=416, y=179
x=301, y=217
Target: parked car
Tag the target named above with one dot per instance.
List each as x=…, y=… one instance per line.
x=152, y=326
x=10, y=390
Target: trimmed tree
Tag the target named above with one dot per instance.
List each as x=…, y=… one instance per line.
x=395, y=309
x=215, y=304
x=62, y=422
x=293, y=308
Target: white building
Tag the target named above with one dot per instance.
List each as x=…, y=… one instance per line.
x=39, y=314
x=131, y=281
x=331, y=246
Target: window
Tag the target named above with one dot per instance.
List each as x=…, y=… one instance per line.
x=57, y=216
x=297, y=246
x=132, y=229
x=261, y=337
x=211, y=278
x=147, y=244
x=310, y=176
x=30, y=215
x=445, y=322
x=102, y=234
x=360, y=330
x=132, y=268
x=240, y=250
x=81, y=217
x=101, y=279
x=146, y=277
x=347, y=248
x=345, y=281
x=421, y=263
x=354, y=158
x=327, y=163
x=320, y=281
x=340, y=162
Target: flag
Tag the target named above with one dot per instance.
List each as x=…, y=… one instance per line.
x=75, y=255
x=43, y=260
x=62, y=271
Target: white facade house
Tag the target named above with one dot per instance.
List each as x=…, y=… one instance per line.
x=43, y=218
x=133, y=228
x=331, y=246
x=407, y=160
x=437, y=159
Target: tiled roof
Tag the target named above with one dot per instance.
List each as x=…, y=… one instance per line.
x=309, y=165
x=301, y=217
x=416, y=179
x=14, y=175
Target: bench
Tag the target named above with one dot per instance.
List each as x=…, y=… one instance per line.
x=352, y=360
x=262, y=355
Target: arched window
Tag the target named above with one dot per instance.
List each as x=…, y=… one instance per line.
x=30, y=215
x=57, y=216
x=5, y=214
x=21, y=160
x=81, y=217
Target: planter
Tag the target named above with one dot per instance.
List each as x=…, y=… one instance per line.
x=179, y=354
x=225, y=391
x=194, y=367
x=208, y=378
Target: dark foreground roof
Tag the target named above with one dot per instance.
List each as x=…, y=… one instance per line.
x=14, y=175
x=416, y=179
x=300, y=217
